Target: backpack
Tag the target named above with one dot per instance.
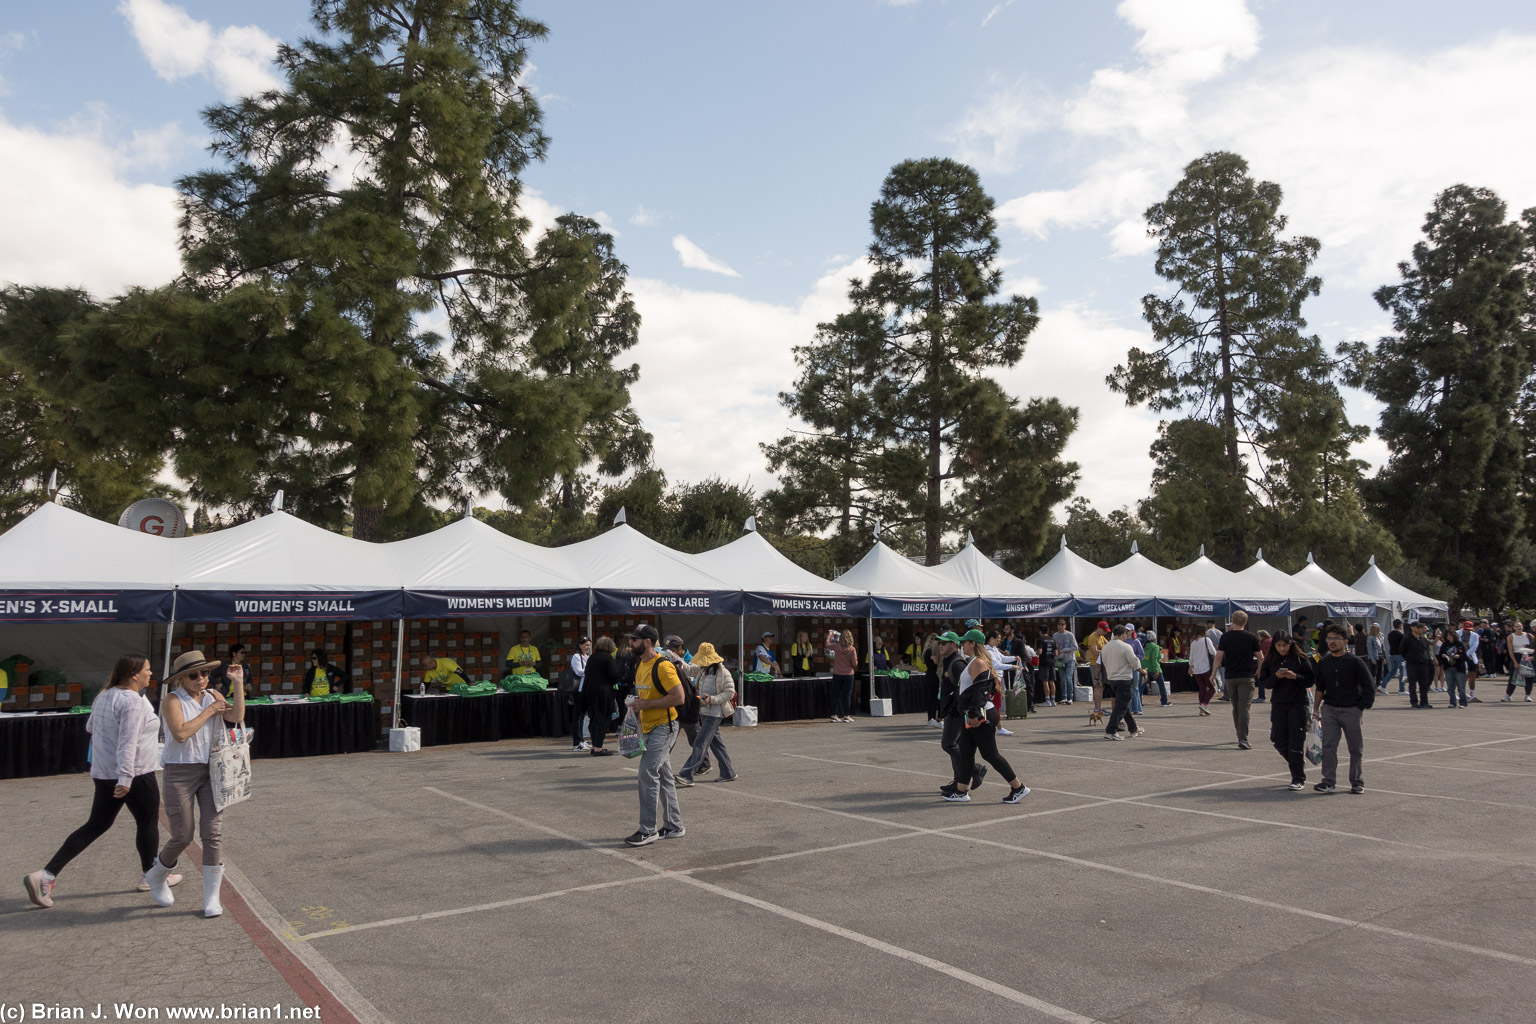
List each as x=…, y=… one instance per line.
x=688, y=710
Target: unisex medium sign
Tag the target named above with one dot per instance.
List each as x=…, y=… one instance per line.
x=1026, y=608
x=85, y=606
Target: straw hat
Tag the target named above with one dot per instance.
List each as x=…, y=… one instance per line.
x=705, y=656
x=192, y=661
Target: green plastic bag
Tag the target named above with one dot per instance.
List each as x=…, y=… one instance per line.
x=328, y=698
x=524, y=684
x=758, y=677
x=262, y=699
x=355, y=698
x=899, y=673
x=473, y=689
x=80, y=709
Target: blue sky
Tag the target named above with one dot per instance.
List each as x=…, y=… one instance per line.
x=735, y=150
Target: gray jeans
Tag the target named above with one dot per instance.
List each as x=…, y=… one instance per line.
x=1240, y=689
x=657, y=781
x=706, y=742
x=187, y=786
x=1347, y=722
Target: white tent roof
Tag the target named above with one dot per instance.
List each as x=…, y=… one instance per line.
x=1313, y=576
x=974, y=572
x=751, y=563
x=280, y=552
x=57, y=549
x=1213, y=579
x=884, y=573
x=1377, y=583
x=1070, y=573
x=626, y=559
x=1153, y=580
x=470, y=555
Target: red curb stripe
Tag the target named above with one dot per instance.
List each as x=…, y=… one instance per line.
x=295, y=972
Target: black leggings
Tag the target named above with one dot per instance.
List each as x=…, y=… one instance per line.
x=143, y=802
x=1288, y=732
x=981, y=739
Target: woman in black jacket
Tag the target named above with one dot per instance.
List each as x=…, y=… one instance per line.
x=1288, y=674
x=597, y=694
x=978, y=686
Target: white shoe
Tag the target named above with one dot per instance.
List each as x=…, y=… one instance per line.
x=170, y=879
x=934, y=723
x=1528, y=700
x=1004, y=732
x=213, y=877
x=1113, y=736
x=583, y=745
x=159, y=890
x=1506, y=700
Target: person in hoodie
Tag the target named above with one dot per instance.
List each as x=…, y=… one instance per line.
x=1288, y=675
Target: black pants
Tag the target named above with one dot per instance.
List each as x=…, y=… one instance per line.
x=598, y=706
x=1510, y=692
x=1122, y=688
x=1419, y=676
x=954, y=725
x=142, y=801
x=1288, y=732
x=980, y=739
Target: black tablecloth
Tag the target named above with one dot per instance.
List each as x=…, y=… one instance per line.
x=1177, y=674
x=304, y=730
x=43, y=745
x=500, y=716
x=810, y=697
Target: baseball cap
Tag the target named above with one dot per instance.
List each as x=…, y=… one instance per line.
x=1104, y=626
x=975, y=636
x=765, y=636
x=972, y=623
x=645, y=632
x=673, y=640
x=948, y=637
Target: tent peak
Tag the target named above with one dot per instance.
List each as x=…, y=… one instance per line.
x=1259, y=557
x=1063, y=540
x=1373, y=560
x=621, y=518
x=750, y=526
x=1202, y=550
x=1309, y=558
x=277, y=500
x=1135, y=548
x=970, y=538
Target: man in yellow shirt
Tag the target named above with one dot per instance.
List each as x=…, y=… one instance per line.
x=658, y=692
x=523, y=660
x=1093, y=643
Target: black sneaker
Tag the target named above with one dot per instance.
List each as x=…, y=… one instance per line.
x=1326, y=787
x=981, y=773
x=601, y=752
x=1357, y=788
x=1015, y=795
x=704, y=769
x=641, y=838
x=948, y=789
x=673, y=833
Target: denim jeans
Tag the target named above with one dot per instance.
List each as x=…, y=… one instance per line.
x=657, y=781
x=708, y=741
x=1136, y=678
x=1066, y=679
x=1162, y=687
x=1456, y=683
x=1397, y=668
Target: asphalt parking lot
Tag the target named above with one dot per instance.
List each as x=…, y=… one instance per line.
x=1167, y=878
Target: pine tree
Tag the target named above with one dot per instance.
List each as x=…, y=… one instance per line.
x=365, y=320
x=100, y=471
x=1450, y=379
x=907, y=431
x=1230, y=348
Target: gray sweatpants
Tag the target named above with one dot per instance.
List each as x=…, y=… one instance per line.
x=657, y=781
x=1344, y=721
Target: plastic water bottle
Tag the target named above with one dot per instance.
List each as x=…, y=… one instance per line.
x=421, y=689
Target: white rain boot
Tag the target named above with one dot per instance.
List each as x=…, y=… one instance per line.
x=213, y=877
x=159, y=888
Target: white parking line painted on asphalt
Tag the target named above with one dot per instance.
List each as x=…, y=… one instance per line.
x=985, y=984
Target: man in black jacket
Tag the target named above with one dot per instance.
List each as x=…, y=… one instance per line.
x=1345, y=690
x=951, y=664
x=1419, y=660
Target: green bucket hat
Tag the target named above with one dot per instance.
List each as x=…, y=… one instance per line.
x=948, y=637
x=975, y=636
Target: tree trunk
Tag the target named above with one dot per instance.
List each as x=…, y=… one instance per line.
x=933, y=508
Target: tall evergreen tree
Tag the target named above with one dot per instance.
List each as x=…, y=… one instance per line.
x=1230, y=348
x=365, y=320
x=916, y=424
x=1450, y=379
x=101, y=472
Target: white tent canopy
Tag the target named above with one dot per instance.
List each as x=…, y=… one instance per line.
x=974, y=572
x=1314, y=576
x=773, y=582
x=1384, y=588
x=1070, y=573
x=1315, y=589
x=884, y=573
x=1152, y=580
x=281, y=552
x=58, y=549
x=470, y=555
x=626, y=559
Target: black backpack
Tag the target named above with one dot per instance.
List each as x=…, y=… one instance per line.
x=688, y=710
x=567, y=683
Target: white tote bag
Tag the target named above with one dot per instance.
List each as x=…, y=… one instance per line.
x=229, y=768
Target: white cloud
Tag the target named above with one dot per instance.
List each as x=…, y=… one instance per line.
x=695, y=258
x=238, y=58
x=1360, y=138
x=73, y=217
x=990, y=135
x=644, y=218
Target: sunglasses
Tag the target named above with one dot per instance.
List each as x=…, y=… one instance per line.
x=197, y=675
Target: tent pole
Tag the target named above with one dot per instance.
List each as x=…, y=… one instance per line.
x=741, y=654
x=399, y=665
x=869, y=643
x=170, y=628
x=589, y=615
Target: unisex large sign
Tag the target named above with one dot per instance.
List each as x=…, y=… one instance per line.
x=1135, y=607
x=286, y=606
x=433, y=604
x=677, y=602
x=85, y=606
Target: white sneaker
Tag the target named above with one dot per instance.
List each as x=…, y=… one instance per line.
x=1004, y=732
x=934, y=723
x=1528, y=700
x=1113, y=736
x=583, y=745
x=1506, y=700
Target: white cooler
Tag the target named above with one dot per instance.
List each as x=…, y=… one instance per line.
x=1082, y=693
x=880, y=707
x=405, y=740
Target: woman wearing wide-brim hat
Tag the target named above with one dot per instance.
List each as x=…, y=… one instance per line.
x=716, y=688
x=194, y=716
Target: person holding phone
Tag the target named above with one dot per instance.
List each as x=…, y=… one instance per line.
x=1288, y=675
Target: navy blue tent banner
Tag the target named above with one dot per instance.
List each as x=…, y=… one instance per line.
x=1351, y=611
x=433, y=604
x=927, y=608
x=1264, y=607
x=1137, y=607
x=1182, y=609
x=85, y=606
x=287, y=606
x=677, y=602
x=806, y=604
x=1026, y=608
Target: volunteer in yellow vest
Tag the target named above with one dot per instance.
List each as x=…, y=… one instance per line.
x=658, y=692
x=1093, y=643
x=325, y=678
x=523, y=660
x=800, y=653
x=913, y=653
